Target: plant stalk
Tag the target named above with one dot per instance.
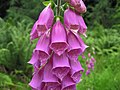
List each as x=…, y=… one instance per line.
x=58, y=7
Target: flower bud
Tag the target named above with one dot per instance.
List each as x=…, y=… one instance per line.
x=80, y=8
x=88, y=72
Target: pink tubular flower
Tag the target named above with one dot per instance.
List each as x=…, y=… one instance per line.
x=34, y=34
x=50, y=80
x=74, y=49
x=36, y=82
x=68, y=83
x=42, y=47
x=34, y=58
x=45, y=20
x=76, y=70
x=81, y=42
x=43, y=23
x=83, y=27
x=58, y=38
x=61, y=66
x=70, y=20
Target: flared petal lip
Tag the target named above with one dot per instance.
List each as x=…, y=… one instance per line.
x=79, y=49
x=49, y=81
x=74, y=27
x=30, y=62
x=42, y=26
x=51, y=46
x=68, y=69
x=61, y=67
x=79, y=70
x=78, y=80
x=42, y=51
x=68, y=86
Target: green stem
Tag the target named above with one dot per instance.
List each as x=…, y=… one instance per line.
x=58, y=7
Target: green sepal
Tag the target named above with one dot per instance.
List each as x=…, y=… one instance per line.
x=46, y=3
x=64, y=6
x=60, y=17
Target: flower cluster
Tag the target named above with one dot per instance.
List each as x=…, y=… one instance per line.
x=90, y=64
x=55, y=57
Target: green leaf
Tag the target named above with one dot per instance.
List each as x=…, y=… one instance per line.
x=5, y=80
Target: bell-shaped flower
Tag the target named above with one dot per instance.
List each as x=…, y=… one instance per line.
x=45, y=20
x=70, y=20
x=76, y=70
x=68, y=83
x=42, y=47
x=61, y=66
x=34, y=33
x=74, y=49
x=49, y=79
x=58, y=38
x=36, y=82
x=80, y=7
x=34, y=58
x=83, y=27
x=81, y=42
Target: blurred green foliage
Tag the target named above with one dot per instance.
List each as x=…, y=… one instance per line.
x=103, y=21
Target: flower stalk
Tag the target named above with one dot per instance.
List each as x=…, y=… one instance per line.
x=58, y=7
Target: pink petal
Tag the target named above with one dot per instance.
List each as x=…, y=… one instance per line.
x=68, y=83
x=74, y=49
x=61, y=66
x=58, y=38
x=70, y=20
x=48, y=78
x=76, y=70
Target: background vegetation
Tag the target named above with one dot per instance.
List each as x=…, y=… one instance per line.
x=16, y=20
